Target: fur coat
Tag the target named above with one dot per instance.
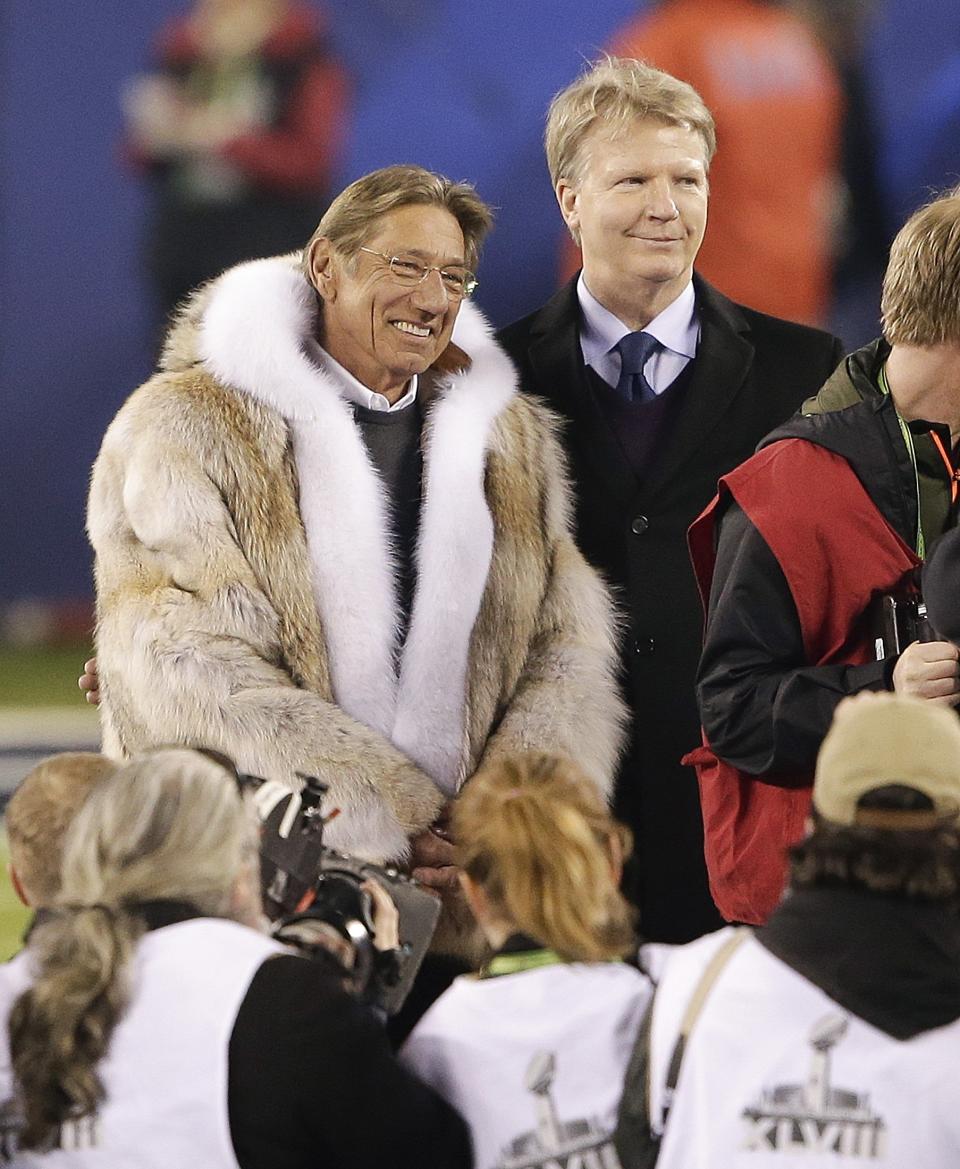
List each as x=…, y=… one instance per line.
x=246, y=597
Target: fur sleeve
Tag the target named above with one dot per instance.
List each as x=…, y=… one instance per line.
x=567, y=699
x=188, y=647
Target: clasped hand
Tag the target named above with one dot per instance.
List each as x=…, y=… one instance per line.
x=929, y=670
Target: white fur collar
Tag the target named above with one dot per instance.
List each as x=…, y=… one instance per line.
x=252, y=337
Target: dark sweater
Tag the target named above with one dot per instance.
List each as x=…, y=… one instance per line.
x=392, y=439
x=640, y=427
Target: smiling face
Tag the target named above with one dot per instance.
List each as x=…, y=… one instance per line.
x=379, y=329
x=640, y=212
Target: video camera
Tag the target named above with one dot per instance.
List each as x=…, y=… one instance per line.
x=306, y=885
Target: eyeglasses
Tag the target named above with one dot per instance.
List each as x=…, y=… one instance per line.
x=459, y=282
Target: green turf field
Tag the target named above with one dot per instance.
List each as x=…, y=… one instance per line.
x=41, y=677
x=33, y=678
x=13, y=915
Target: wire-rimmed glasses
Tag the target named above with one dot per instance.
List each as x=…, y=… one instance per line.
x=458, y=282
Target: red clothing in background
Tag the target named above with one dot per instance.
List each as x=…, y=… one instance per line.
x=260, y=187
x=295, y=143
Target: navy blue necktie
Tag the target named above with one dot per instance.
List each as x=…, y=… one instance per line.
x=635, y=350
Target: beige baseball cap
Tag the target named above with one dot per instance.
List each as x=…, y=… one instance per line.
x=882, y=739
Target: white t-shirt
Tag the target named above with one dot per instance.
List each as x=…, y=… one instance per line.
x=776, y=1075
x=165, y=1073
x=534, y=1061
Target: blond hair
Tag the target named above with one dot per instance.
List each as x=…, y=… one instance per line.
x=41, y=810
x=352, y=216
x=920, y=304
x=615, y=91
x=169, y=825
x=535, y=834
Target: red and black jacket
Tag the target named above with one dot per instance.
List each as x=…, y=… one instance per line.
x=811, y=528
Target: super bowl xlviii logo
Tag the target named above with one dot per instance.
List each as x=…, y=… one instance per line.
x=555, y=1143
x=815, y=1117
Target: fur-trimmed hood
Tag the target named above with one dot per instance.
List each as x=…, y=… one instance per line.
x=254, y=330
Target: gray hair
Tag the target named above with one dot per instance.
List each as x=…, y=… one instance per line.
x=351, y=217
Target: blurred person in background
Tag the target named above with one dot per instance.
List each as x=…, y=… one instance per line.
x=38, y=815
x=776, y=186
x=861, y=236
x=835, y=1028
x=238, y=130
x=333, y=539
x=663, y=385
x=155, y=1025
x=533, y=1050
x=803, y=551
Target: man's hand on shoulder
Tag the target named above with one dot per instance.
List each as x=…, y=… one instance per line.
x=929, y=670
x=89, y=682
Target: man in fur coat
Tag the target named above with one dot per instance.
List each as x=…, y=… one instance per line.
x=332, y=539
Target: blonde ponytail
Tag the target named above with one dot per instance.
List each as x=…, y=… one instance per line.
x=534, y=833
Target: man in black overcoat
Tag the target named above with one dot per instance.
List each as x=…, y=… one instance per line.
x=663, y=385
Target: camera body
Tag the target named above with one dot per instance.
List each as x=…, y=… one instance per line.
x=899, y=618
x=305, y=883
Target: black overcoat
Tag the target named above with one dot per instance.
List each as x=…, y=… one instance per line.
x=750, y=373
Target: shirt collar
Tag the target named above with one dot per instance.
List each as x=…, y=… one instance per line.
x=355, y=391
x=676, y=328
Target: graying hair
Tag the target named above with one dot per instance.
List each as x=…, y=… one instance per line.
x=350, y=219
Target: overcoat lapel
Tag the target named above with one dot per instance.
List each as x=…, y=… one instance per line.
x=557, y=361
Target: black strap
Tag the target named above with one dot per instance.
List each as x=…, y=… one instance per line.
x=635, y=1142
x=163, y=912
x=636, y=1145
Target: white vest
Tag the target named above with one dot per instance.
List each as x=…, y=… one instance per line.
x=165, y=1074
x=776, y=1075
x=534, y=1061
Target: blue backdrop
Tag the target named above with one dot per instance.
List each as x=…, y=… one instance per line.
x=457, y=86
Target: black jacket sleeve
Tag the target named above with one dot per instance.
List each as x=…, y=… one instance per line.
x=941, y=575
x=313, y=1082
x=764, y=709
